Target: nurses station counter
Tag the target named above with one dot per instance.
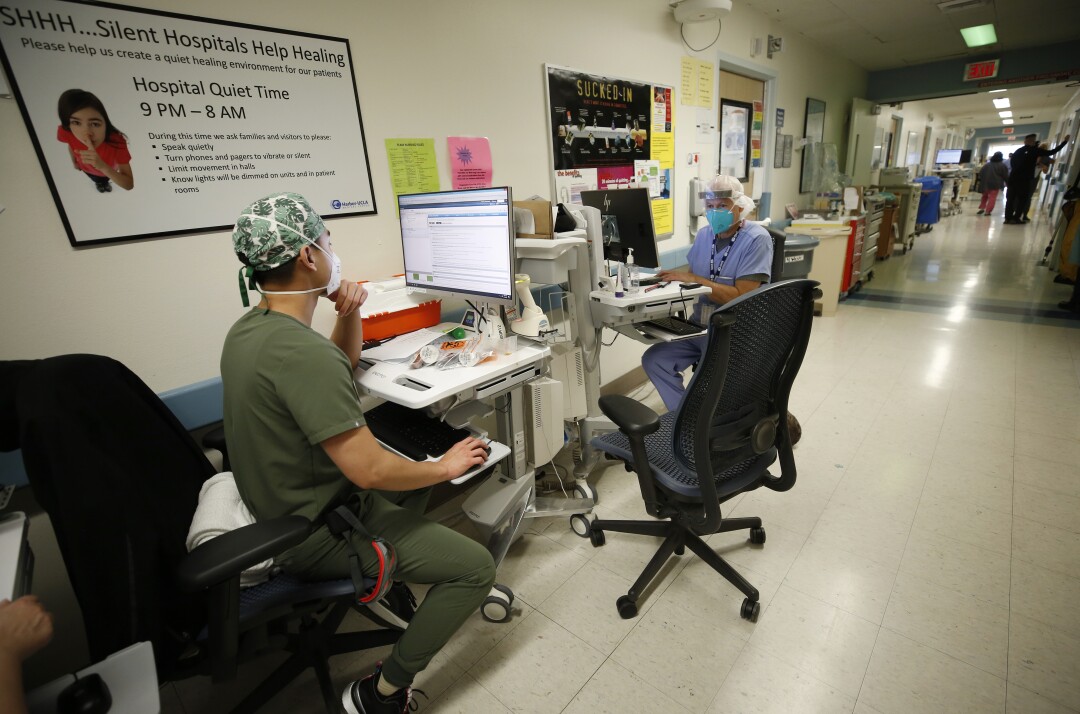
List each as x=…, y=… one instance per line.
x=828, y=265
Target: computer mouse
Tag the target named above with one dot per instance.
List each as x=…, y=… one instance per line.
x=458, y=333
x=689, y=286
x=86, y=695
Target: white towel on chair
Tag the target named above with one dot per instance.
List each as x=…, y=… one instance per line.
x=221, y=510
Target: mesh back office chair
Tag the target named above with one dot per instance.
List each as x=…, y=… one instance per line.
x=119, y=477
x=730, y=427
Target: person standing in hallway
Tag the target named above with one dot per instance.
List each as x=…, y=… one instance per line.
x=992, y=178
x=1021, y=175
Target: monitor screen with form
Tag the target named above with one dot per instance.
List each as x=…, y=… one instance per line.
x=460, y=242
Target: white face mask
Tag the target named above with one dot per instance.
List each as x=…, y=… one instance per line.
x=331, y=287
x=335, y=272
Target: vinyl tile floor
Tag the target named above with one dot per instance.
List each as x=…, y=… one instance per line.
x=927, y=560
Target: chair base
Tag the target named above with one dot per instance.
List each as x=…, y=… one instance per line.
x=676, y=539
x=312, y=646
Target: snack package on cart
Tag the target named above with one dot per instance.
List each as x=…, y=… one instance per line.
x=455, y=353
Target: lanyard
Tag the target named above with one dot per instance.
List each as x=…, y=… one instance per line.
x=714, y=270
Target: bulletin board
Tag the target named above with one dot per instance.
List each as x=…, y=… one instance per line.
x=612, y=132
x=210, y=116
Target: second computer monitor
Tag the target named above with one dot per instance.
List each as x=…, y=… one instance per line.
x=626, y=222
x=948, y=156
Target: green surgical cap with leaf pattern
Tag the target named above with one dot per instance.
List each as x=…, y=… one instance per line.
x=271, y=231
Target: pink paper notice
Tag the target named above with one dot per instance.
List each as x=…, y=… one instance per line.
x=470, y=161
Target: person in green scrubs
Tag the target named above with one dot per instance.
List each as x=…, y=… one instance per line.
x=298, y=443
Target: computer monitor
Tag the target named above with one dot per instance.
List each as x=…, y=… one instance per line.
x=948, y=156
x=626, y=222
x=965, y=157
x=460, y=243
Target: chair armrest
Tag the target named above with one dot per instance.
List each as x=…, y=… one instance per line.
x=632, y=417
x=227, y=555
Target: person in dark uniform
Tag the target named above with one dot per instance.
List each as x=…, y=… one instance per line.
x=1019, y=185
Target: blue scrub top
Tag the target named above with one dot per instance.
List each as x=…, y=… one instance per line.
x=752, y=254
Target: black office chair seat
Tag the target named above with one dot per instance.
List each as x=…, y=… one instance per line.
x=283, y=592
x=666, y=469
x=288, y=590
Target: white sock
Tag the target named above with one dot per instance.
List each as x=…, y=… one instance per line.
x=384, y=688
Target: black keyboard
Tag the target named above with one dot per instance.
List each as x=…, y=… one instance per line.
x=649, y=280
x=676, y=326
x=411, y=432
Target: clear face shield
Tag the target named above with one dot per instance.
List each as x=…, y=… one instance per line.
x=720, y=219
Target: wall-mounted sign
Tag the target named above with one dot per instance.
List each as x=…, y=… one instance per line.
x=151, y=123
x=1061, y=75
x=616, y=132
x=981, y=70
x=1008, y=130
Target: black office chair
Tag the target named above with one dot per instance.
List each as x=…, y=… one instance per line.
x=119, y=477
x=730, y=427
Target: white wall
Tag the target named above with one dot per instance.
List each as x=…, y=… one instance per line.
x=916, y=116
x=423, y=69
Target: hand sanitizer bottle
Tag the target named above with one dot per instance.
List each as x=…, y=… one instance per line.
x=633, y=275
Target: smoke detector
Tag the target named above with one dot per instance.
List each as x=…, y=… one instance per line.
x=691, y=11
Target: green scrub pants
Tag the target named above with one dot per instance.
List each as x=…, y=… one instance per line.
x=460, y=571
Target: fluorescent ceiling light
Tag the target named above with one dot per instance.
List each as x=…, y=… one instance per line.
x=1006, y=114
x=1006, y=121
x=1002, y=103
x=997, y=90
x=979, y=35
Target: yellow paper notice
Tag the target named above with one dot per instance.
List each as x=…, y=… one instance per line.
x=663, y=149
x=688, y=81
x=412, y=165
x=663, y=215
x=705, y=84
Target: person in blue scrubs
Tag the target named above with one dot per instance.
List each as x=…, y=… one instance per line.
x=731, y=256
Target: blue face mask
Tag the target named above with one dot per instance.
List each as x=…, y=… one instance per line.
x=720, y=219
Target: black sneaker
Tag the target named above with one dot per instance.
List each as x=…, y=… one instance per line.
x=362, y=697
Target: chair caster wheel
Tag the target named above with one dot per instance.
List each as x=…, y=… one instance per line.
x=627, y=607
x=581, y=525
x=750, y=610
x=496, y=606
x=757, y=536
x=596, y=538
x=505, y=591
x=681, y=550
x=584, y=490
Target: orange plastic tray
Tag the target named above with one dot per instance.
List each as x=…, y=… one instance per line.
x=390, y=324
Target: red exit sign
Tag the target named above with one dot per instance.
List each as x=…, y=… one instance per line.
x=981, y=70
x=1008, y=130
